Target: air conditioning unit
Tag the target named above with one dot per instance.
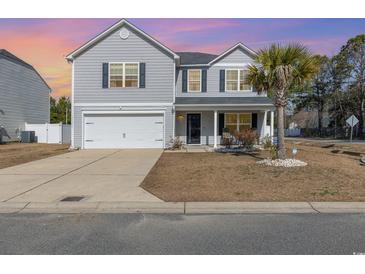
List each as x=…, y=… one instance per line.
x=27, y=136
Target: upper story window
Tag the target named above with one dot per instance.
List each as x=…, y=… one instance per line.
x=123, y=75
x=194, y=80
x=235, y=80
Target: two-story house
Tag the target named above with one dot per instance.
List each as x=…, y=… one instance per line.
x=131, y=91
x=24, y=95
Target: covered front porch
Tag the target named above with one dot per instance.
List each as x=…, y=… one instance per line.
x=203, y=124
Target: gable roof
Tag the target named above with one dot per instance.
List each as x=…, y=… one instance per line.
x=11, y=57
x=105, y=33
x=195, y=58
x=228, y=51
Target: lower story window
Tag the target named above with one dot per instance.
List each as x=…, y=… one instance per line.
x=237, y=121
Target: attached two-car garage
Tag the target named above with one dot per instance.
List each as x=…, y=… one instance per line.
x=141, y=130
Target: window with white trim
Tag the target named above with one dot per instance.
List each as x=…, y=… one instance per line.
x=123, y=75
x=194, y=80
x=236, y=80
x=237, y=121
x=116, y=75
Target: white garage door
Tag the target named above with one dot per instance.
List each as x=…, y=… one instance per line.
x=123, y=131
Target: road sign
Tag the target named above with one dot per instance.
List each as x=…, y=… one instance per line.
x=352, y=121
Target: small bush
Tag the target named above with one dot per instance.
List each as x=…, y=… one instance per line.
x=273, y=152
x=267, y=142
x=228, y=140
x=176, y=143
x=239, y=137
x=249, y=138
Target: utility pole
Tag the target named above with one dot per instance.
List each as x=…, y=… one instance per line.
x=66, y=113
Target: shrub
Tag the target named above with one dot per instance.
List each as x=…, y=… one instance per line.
x=271, y=147
x=274, y=152
x=228, y=141
x=176, y=143
x=249, y=138
x=239, y=137
x=267, y=142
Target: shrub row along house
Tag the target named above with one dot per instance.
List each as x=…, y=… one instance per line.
x=131, y=91
x=24, y=95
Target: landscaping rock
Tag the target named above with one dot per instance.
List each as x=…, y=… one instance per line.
x=282, y=163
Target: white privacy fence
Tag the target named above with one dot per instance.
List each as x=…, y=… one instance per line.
x=51, y=133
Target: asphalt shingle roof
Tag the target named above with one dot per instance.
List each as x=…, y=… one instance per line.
x=194, y=58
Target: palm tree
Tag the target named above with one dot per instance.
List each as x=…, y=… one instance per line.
x=280, y=70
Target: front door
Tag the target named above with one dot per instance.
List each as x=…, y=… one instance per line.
x=193, y=128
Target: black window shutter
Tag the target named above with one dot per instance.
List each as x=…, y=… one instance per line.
x=142, y=75
x=204, y=80
x=222, y=79
x=221, y=123
x=184, y=80
x=105, y=75
x=254, y=121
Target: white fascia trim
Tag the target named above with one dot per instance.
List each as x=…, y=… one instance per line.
x=72, y=105
x=224, y=105
x=123, y=104
x=122, y=112
x=111, y=29
x=239, y=45
x=174, y=98
x=195, y=65
x=232, y=65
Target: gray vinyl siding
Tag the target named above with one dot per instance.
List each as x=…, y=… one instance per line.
x=238, y=56
x=88, y=71
x=88, y=89
x=78, y=120
x=207, y=126
x=24, y=97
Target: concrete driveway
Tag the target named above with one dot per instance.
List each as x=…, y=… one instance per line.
x=99, y=175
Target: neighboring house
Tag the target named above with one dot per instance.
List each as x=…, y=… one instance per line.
x=130, y=91
x=307, y=119
x=24, y=95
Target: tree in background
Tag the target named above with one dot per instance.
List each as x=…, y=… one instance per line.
x=316, y=95
x=352, y=56
x=280, y=70
x=60, y=110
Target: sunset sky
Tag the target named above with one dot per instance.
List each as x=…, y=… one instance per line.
x=44, y=42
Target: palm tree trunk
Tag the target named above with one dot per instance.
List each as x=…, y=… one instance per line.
x=281, y=144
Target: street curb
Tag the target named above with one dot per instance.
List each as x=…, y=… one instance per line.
x=183, y=207
x=248, y=207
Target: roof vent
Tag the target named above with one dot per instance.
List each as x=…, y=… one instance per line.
x=124, y=34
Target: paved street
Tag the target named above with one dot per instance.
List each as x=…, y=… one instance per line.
x=182, y=234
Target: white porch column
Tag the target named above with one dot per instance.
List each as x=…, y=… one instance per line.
x=263, y=132
x=272, y=124
x=215, y=127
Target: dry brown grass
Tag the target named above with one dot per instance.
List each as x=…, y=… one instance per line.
x=329, y=176
x=12, y=154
